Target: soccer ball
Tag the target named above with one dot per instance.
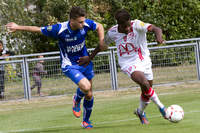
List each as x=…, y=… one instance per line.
x=174, y=113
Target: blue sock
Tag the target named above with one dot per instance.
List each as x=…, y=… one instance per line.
x=79, y=95
x=87, y=109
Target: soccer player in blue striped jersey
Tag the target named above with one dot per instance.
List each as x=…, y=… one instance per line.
x=75, y=60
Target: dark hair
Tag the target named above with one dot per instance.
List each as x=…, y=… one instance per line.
x=122, y=16
x=76, y=12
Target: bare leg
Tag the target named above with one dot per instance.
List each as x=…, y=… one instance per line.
x=147, y=91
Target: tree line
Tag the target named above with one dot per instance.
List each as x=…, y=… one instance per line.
x=179, y=19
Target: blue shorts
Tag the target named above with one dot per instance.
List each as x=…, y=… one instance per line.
x=76, y=72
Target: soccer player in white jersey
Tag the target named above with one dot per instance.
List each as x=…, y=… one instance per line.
x=75, y=60
x=133, y=56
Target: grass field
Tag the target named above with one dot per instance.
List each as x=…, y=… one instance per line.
x=113, y=113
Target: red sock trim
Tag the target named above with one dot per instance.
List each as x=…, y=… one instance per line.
x=144, y=98
x=149, y=93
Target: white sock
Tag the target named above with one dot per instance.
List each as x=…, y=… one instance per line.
x=143, y=105
x=156, y=100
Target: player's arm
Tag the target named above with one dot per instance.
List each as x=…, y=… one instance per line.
x=12, y=27
x=100, y=47
x=158, y=32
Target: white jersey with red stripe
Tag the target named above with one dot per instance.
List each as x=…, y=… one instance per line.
x=131, y=47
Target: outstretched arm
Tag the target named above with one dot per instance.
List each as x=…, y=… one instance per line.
x=12, y=27
x=158, y=33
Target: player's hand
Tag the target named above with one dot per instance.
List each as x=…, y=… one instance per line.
x=12, y=27
x=85, y=60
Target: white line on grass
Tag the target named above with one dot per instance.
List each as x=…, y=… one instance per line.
x=98, y=123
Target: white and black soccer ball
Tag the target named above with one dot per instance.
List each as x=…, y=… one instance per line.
x=175, y=113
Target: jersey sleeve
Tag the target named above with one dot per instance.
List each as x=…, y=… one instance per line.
x=108, y=40
x=92, y=25
x=51, y=31
x=141, y=26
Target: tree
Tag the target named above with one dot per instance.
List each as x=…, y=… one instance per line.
x=179, y=19
x=47, y=12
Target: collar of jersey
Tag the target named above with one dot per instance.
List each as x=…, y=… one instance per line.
x=69, y=28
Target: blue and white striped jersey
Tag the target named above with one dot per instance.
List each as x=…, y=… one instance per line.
x=71, y=43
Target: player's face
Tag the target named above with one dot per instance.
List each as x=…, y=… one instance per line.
x=125, y=28
x=77, y=23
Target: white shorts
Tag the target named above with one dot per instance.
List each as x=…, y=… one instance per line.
x=143, y=66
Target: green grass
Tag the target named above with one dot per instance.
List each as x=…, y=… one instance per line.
x=113, y=113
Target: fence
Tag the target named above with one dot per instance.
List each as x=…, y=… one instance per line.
x=177, y=61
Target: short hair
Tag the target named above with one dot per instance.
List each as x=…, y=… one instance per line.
x=122, y=16
x=77, y=12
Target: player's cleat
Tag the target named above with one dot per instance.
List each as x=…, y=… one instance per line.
x=163, y=112
x=76, y=108
x=87, y=125
x=143, y=118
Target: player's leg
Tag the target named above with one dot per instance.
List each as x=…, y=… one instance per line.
x=157, y=101
x=78, y=96
x=87, y=108
x=77, y=99
x=150, y=83
x=89, y=99
x=135, y=71
x=148, y=92
x=84, y=85
x=140, y=79
x=75, y=74
x=154, y=97
x=82, y=90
